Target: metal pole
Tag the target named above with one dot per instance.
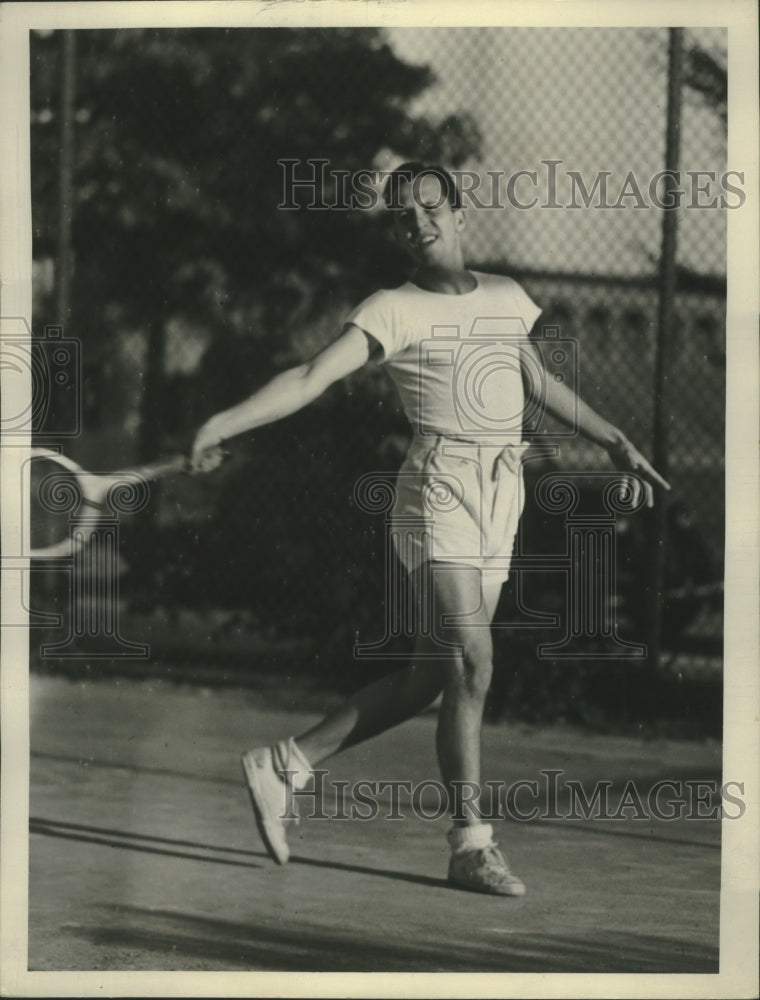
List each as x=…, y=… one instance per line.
x=66, y=178
x=664, y=348
x=53, y=584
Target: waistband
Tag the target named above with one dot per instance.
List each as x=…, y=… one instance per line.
x=438, y=442
x=489, y=456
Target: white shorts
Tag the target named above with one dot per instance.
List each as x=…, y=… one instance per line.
x=459, y=502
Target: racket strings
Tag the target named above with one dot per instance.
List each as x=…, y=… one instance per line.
x=64, y=506
x=62, y=498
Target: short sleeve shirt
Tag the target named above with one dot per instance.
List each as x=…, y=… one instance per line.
x=455, y=359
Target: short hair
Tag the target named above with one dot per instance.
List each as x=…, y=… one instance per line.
x=409, y=172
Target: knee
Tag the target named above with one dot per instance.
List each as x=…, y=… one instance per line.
x=474, y=669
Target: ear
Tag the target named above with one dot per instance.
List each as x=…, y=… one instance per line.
x=397, y=237
x=459, y=219
x=393, y=229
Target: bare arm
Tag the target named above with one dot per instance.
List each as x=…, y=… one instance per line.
x=562, y=403
x=284, y=394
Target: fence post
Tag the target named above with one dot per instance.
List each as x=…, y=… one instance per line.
x=51, y=581
x=664, y=346
x=66, y=177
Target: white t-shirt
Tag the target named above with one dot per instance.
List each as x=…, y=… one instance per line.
x=455, y=359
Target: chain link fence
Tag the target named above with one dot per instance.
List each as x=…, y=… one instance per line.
x=569, y=106
x=575, y=121
x=189, y=286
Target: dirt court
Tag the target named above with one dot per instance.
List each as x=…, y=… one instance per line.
x=144, y=854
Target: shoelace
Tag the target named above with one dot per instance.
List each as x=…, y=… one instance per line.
x=492, y=856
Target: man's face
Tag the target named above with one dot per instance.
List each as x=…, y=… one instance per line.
x=425, y=224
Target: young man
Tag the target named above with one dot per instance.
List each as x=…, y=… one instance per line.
x=457, y=507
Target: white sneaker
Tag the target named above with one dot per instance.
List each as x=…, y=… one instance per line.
x=271, y=797
x=484, y=870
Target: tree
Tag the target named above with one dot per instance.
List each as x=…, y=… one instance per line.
x=704, y=74
x=177, y=181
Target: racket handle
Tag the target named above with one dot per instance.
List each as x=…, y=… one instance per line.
x=163, y=467
x=167, y=467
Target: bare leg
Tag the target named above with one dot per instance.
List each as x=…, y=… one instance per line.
x=463, y=612
x=379, y=706
x=470, y=609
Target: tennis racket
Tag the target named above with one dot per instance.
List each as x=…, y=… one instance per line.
x=62, y=493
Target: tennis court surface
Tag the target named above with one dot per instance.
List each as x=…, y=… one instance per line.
x=144, y=854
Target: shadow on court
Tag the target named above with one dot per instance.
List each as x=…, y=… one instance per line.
x=297, y=948
x=144, y=855
x=206, y=852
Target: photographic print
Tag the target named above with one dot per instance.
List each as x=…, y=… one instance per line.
x=379, y=524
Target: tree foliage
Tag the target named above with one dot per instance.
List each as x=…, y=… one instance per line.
x=178, y=135
x=708, y=77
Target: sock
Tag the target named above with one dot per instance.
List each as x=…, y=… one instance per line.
x=469, y=838
x=290, y=758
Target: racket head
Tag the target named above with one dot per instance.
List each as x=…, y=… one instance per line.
x=57, y=488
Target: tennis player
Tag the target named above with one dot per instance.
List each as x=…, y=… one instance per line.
x=460, y=488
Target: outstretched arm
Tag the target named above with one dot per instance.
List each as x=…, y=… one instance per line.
x=562, y=403
x=284, y=394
